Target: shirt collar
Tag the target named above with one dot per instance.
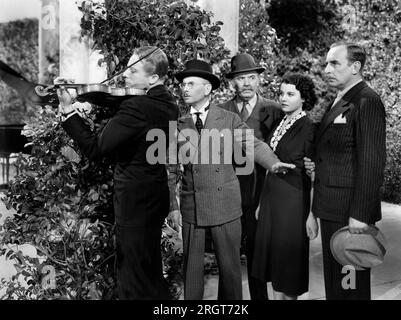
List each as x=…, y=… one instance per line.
x=251, y=103
x=345, y=90
x=202, y=110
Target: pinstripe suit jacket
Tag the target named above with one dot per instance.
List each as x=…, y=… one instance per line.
x=350, y=158
x=210, y=193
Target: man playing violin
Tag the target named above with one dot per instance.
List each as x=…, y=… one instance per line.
x=141, y=194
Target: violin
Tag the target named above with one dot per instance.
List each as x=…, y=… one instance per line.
x=97, y=93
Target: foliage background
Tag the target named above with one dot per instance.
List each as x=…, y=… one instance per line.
x=19, y=49
x=64, y=202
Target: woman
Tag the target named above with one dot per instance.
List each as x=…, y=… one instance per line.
x=282, y=247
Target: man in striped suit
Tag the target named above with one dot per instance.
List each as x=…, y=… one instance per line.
x=349, y=159
x=210, y=197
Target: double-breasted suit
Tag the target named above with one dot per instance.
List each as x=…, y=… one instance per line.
x=141, y=194
x=265, y=115
x=350, y=156
x=211, y=198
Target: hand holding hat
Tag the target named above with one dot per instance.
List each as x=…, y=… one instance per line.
x=361, y=250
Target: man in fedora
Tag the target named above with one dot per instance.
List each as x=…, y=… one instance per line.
x=261, y=115
x=350, y=157
x=210, y=197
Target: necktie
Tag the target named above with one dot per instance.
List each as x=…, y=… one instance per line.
x=338, y=97
x=198, y=123
x=244, y=111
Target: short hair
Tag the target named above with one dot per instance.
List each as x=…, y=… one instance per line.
x=355, y=52
x=305, y=86
x=156, y=62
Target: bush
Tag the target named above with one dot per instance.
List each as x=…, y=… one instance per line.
x=19, y=49
x=304, y=31
x=383, y=20
x=63, y=202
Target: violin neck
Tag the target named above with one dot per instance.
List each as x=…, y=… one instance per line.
x=70, y=85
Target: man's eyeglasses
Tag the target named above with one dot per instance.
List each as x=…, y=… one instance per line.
x=191, y=84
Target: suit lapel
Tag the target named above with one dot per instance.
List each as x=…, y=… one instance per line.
x=186, y=122
x=258, y=111
x=212, y=118
x=211, y=122
x=340, y=107
x=232, y=106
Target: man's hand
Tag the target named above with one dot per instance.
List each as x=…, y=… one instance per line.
x=309, y=166
x=174, y=220
x=356, y=226
x=66, y=97
x=312, y=227
x=281, y=167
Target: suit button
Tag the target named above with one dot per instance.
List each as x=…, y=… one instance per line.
x=195, y=171
x=219, y=188
x=217, y=170
x=195, y=191
x=320, y=159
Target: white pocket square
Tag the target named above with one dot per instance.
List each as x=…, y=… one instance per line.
x=340, y=119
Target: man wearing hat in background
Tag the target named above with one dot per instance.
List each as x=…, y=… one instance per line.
x=210, y=197
x=261, y=115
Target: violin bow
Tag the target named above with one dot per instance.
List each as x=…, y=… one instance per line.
x=130, y=65
x=43, y=91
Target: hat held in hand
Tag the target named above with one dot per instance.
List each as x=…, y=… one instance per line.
x=361, y=250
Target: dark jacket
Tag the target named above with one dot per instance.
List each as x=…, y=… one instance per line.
x=265, y=116
x=141, y=191
x=350, y=158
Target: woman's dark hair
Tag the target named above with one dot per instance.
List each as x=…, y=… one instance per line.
x=305, y=86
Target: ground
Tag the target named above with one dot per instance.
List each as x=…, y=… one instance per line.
x=386, y=278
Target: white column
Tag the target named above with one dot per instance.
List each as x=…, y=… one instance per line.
x=48, y=37
x=226, y=11
x=77, y=60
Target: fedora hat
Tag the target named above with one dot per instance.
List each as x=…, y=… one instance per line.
x=199, y=68
x=242, y=63
x=361, y=250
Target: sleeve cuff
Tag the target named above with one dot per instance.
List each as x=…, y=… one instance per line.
x=68, y=115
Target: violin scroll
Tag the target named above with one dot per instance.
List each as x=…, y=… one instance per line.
x=43, y=91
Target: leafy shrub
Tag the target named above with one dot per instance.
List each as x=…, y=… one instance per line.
x=19, y=49
x=64, y=202
x=301, y=23
x=378, y=28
